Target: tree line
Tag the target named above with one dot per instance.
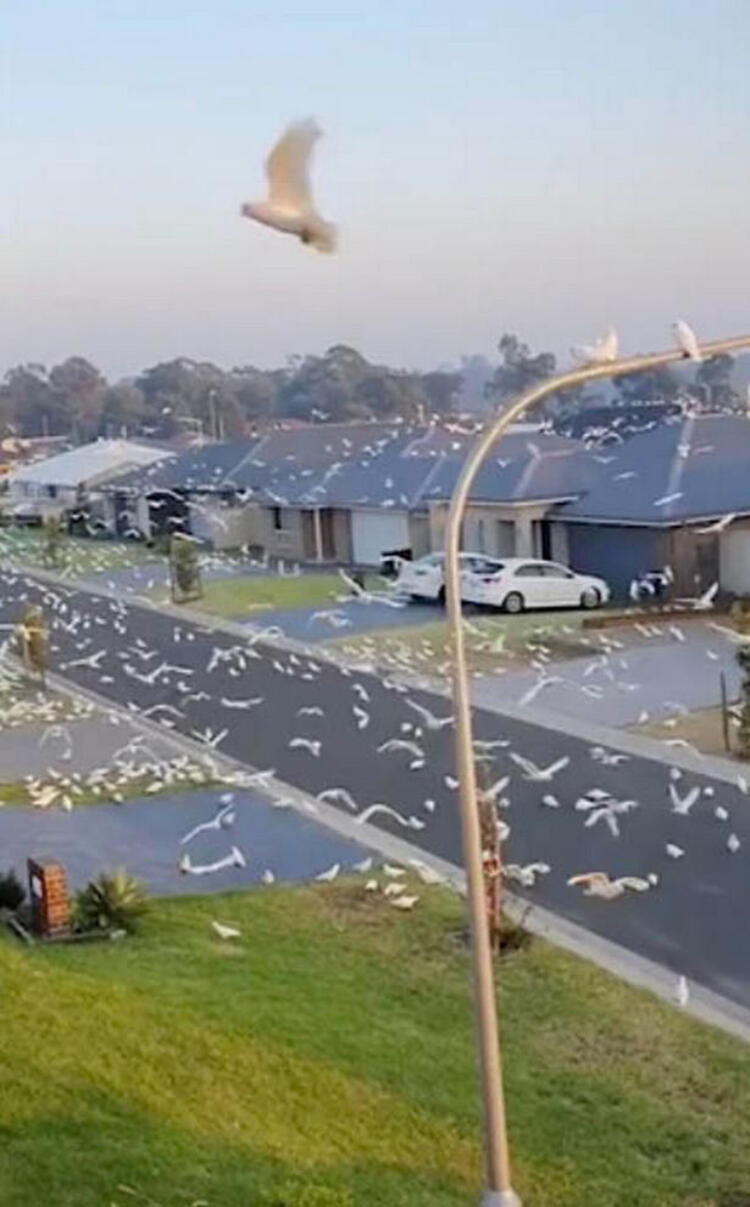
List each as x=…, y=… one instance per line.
x=75, y=399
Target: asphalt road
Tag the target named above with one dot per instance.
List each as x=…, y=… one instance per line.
x=695, y=921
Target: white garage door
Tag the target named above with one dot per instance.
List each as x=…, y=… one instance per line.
x=374, y=532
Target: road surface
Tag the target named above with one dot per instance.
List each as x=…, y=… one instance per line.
x=254, y=702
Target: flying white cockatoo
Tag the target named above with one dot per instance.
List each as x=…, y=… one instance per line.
x=687, y=339
x=599, y=353
x=289, y=207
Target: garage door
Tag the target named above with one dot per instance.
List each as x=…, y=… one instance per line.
x=374, y=532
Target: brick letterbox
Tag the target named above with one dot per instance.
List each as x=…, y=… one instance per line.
x=48, y=890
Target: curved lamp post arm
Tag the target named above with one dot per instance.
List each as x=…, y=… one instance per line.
x=499, y=1192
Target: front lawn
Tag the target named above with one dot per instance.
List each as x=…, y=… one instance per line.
x=326, y=1059
x=246, y=597
x=494, y=642
x=77, y=556
x=702, y=728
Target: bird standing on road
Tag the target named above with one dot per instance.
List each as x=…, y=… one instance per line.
x=289, y=207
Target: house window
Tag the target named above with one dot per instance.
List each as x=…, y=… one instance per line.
x=52, y=492
x=278, y=525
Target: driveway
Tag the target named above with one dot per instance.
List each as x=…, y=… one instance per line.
x=143, y=835
x=346, y=619
x=659, y=676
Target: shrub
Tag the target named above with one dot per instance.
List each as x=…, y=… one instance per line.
x=12, y=892
x=114, y=899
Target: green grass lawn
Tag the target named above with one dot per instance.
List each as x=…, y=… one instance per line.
x=78, y=556
x=494, y=642
x=326, y=1060
x=112, y=786
x=262, y=593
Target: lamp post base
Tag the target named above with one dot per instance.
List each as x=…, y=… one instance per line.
x=500, y=1198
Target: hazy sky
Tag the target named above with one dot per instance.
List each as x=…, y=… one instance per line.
x=544, y=167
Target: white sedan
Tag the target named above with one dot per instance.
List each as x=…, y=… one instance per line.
x=424, y=579
x=518, y=583
x=512, y=583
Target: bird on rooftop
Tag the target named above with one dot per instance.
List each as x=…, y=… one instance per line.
x=290, y=207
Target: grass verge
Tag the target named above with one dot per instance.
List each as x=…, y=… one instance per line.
x=248, y=597
x=494, y=643
x=326, y=1060
x=702, y=728
x=78, y=556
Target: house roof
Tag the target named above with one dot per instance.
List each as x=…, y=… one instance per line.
x=87, y=465
x=695, y=467
x=206, y=468
x=374, y=466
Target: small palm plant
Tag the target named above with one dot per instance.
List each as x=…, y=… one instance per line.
x=12, y=892
x=114, y=899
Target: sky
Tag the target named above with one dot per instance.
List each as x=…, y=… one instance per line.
x=546, y=168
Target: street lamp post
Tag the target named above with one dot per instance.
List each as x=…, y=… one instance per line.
x=498, y=1190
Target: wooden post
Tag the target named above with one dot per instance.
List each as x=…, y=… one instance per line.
x=724, y=711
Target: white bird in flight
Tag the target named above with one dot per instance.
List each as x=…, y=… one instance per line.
x=222, y=820
x=601, y=352
x=429, y=720
x=290, y=207
x=687, y=339
x=538, y=774
x=683, y=804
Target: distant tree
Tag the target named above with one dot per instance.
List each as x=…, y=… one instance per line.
x=171, y=392
x=35, y=408
x=476, y=371
x=713, y=384
x=255, y=391
x=519, y=370
x=123, y=410
x=442, y=388
x=652, y=385
x=80, y=390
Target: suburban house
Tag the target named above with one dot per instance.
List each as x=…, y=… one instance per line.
x=58, y=483
x=653, y=500
x=352, y=493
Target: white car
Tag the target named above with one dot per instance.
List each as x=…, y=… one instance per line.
x=518, y=583
x=512, y=583
x=423, y=578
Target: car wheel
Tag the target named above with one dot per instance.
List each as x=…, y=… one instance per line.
x=416, y=598
x=513, y=603
x=591, y=598
x=441, y=597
